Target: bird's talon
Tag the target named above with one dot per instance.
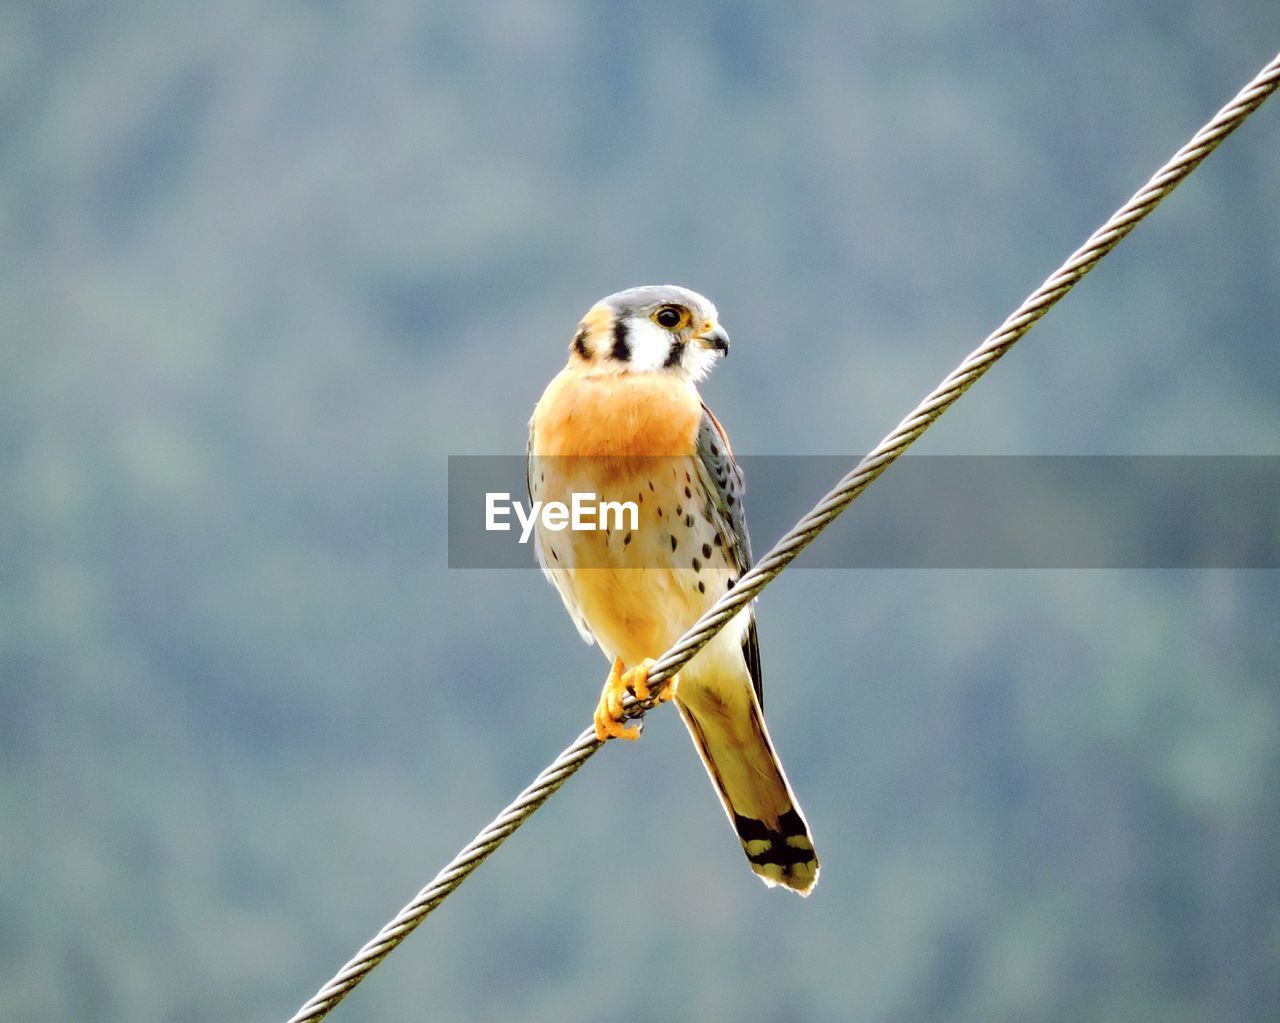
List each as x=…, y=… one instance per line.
x=610, y=721
x=610, y=716
x=637, y=681
x=638, y=686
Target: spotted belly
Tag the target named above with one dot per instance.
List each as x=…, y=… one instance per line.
x=636, y=589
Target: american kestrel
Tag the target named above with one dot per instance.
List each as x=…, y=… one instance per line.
x=623, y=422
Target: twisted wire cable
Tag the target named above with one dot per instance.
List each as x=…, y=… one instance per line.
x=803, y=533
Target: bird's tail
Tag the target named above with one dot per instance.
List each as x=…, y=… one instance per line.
x=728, y=730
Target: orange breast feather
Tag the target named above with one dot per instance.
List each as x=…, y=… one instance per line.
x=616, y=415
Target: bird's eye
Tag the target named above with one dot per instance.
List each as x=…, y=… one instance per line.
x=669, y=316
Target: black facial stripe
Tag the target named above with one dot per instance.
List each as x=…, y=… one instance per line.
x=621, y=346
x=675, y=354
x=580, y=344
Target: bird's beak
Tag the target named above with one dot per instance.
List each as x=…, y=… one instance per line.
x=715, y=339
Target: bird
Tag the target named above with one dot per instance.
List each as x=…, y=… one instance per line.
x=623, y=421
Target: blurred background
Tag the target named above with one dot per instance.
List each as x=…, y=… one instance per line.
x=263, y=267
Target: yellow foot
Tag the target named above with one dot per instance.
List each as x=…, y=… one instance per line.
x=637, y=681
x=609, y=717
x=610, y=720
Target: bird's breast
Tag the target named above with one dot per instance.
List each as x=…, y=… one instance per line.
x=629, y=438
x=616, y=415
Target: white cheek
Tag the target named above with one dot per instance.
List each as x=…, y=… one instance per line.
x=650, y=344
x=697, y=361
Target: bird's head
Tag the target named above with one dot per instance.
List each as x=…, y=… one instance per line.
x=660, y=328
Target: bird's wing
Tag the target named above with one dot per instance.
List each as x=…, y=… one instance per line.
x=723, y=482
